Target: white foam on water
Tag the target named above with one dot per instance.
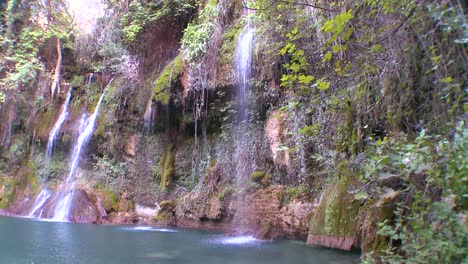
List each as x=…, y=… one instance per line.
x=239, y=240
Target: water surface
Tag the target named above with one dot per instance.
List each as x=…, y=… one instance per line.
x=30, y=241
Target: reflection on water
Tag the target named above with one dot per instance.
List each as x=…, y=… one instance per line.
x=29, y=241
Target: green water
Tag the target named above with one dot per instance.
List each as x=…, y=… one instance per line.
x=30, y=241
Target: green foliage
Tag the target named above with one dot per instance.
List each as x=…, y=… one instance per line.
x=337, y=25
x=7, y=191
x=141, y=13
x=110, y=171
x=110, y=200
x=197, y=34
x=26, y=31
x=427, y=227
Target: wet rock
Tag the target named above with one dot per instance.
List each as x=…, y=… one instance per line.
x=83, y=209
x=345, y=243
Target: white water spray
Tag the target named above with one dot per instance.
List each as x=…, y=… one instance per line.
x=148, y=116
x=64, y=199
x=41, y=199
x=56, y=128
x=245, y=156
x=244, y=66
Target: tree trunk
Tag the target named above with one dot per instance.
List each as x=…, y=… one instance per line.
x=55, y=83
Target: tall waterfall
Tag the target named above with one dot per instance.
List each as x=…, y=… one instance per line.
x=65, y=198
x=243, y=61
x=42, y=197
x=244, y=66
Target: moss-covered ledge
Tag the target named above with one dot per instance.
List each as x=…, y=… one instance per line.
x=333, y=223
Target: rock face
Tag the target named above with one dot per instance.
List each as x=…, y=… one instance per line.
x=333, y=223
x=275, y=129
x=84, y=208
x=345, y=243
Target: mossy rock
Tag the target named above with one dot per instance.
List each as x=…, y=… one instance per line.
x=110, y=200
x=7, y=191
x=336, y=214
x=257, y=176
x=167, y=205
x=170, y=74
x=166, y=170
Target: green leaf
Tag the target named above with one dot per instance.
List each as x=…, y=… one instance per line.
x=306, y=79
x=322, y=85
x=327, y=57
x=336, y=48
x=377, y=48
x=447, y=79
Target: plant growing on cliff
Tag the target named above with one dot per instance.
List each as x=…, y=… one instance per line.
x=142, y=13
x=197, y=34
x=431, y=175
x=110, y=171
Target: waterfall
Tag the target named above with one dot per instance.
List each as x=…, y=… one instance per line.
x=41, y=199
x=65, y=198
x=148, y=116
x=245, y=159
x=244, y=65
x=56, y=128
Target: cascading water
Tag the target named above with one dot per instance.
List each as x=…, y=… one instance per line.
x=53, y=133
x=148, y=116
x=65, y=198
x=244, y=159
x=244, y=65
x=41, y=199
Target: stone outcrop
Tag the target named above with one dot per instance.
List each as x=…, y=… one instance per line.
x=84, y=209
x=275, y=130
x=345, y=243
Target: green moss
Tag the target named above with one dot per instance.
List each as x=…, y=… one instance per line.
x=7, y=191
x=77, y=80
x=45, y=121
x=257, y=176
x=338, y=210
x=166, y=205
x=110, y=200
x=166, y=167
x=166, y=210
x=172, y=72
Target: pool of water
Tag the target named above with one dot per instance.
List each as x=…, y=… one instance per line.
x=29, y=241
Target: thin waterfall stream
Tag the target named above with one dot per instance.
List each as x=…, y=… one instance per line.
x=65, y=198
x=42, y=197
x=243, y=62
